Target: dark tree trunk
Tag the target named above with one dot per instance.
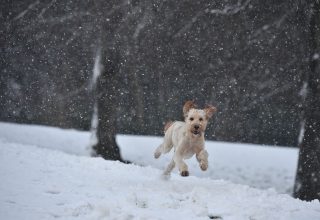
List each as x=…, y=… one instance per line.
x=307, y=184
x=107, y=107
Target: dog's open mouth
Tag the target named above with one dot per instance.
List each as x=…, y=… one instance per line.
x=196, y=132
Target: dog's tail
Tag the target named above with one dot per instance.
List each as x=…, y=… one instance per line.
x=168, y=125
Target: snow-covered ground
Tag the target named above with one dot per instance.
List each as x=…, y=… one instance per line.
x=46, y=174
x=257, y=166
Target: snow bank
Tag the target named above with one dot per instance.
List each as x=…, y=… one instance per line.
x=262, y=167
x=40, y=183
x=257, y=166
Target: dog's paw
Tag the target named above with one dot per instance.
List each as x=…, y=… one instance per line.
x=157, y=154
x=203, y=166
x=185, y=173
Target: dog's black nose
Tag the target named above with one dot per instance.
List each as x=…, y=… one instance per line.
x=196, y=127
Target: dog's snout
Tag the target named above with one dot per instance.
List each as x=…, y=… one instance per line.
x=196, y=127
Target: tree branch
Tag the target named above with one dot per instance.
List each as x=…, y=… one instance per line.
x=46, y=8
x=231, y=9
x=22, y=14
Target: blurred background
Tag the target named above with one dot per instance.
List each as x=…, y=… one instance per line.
x=245, y=57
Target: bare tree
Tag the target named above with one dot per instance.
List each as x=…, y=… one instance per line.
x=105, y=80
x=106, y=101
x=307, y=184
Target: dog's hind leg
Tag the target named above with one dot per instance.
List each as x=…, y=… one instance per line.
x=165, y=147
x=169, y=168
x=158, y=152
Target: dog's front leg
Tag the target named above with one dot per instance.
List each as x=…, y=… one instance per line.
x=202, y=158
x=183, y=168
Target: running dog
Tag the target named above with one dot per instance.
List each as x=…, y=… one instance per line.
x=187, y=138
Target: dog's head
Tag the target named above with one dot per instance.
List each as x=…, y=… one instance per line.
x=197, y=119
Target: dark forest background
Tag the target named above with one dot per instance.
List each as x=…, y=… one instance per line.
x=245, y=57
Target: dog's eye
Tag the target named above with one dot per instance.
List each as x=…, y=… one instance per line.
x=191, y=119
x=200, y=119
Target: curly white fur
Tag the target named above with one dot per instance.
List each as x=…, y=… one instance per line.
x=187, y=139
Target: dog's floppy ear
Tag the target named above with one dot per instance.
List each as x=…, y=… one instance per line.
x=187, y=106
x=210, y=110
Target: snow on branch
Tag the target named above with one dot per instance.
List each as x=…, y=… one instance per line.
x=274, y=24
x=97, y=68
x=188, y=25
x=64, y=18
x=23, y=13
x=46, y=8
x=231, y=9
x=265, y=97
x=117, y=7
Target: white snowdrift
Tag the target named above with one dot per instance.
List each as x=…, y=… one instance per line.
x=38, y=183
x=257, y=166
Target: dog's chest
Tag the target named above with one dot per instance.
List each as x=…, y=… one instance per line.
x=189, y=150
x=188, y=154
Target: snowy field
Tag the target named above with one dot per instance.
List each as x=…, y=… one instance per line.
x=46, y=173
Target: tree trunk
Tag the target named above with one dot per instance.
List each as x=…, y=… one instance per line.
x=307, y=184
x=107, y=107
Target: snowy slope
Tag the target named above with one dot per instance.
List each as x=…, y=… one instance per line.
x=47, y=174
x=40, y=183
x=262, y=167
x=257, y=166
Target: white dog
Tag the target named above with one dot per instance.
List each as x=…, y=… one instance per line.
x=187, y=138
